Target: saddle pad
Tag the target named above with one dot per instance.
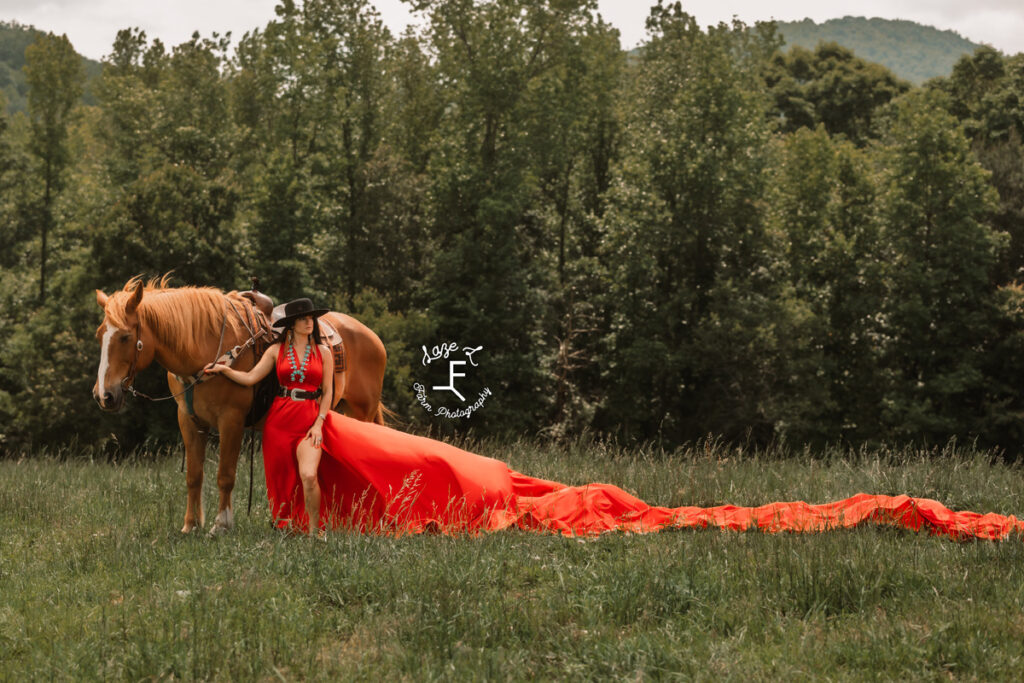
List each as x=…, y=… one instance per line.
x=334, y=340
x=328, y=333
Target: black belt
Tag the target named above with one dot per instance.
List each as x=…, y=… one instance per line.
x=299, y=394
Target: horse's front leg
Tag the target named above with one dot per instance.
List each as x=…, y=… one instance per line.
x=195, y=457
x=231, y=426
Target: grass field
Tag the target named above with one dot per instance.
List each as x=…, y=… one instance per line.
x=96, y=581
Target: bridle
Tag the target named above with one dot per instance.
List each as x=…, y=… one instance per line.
x=128, y=381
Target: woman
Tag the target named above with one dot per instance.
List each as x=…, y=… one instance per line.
x=293, y=432
x=325, y=469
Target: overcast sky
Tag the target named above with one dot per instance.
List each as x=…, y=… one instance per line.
x=92, y=24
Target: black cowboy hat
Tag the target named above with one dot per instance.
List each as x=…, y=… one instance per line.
x=285, y=313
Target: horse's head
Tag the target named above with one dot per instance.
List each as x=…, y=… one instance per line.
x=122, y=351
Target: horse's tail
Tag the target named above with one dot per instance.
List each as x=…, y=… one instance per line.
x=384, y=414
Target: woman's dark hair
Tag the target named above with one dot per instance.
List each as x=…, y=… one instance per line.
x=282, y=336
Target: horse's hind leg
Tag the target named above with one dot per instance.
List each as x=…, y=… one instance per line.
x=231, y=430
x=363, y=399
x=195, y=457
x=361, y=409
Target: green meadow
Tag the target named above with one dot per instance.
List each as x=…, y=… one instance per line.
x=97, y=582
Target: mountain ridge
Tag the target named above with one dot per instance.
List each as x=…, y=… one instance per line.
x=14, y=38
x=911, y=50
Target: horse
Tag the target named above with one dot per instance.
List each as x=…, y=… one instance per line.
x=184, y=329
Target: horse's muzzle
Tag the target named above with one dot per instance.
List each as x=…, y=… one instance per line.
x=110, y=401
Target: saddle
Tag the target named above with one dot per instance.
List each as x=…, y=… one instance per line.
x=263, y=303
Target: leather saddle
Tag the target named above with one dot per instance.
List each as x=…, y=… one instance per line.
x=263, y=303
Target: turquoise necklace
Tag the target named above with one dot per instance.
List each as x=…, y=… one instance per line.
x=298, y=370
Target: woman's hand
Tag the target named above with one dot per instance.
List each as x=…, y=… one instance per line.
x=316, y=433
x=215, y=368
x=250, y=378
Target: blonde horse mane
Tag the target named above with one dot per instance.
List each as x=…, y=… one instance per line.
x=183, y=318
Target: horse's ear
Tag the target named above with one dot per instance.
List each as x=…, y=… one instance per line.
x=135, y=299
x=101, y=298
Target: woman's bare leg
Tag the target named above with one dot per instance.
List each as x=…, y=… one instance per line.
x=308, y=457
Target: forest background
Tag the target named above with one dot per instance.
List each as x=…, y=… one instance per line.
x=708, y=236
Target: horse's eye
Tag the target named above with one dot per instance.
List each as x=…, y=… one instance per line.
x=125, y=337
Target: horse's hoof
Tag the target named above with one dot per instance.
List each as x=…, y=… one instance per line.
x=224, y=523
x=189, y=528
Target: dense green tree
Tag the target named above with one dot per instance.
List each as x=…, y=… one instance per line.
x=702, y=237
x=5, y=147
x=415, y=101
x=11, y=175
x=168, y=141
x=14, y=38
x=8, y=240
x=1004, y=159
x=821, y=206
x=47, y=350
x=128, y=96
x=695, y=326
x=336, y=122
x=1003, y=366
x=55, y=76
x=832, y=86
x=310, y=90
x=940, y=313
x=986, y=92
x=498, y=64
x=570, y=123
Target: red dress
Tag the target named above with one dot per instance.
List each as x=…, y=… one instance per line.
x=377, y=479
x=374, y=477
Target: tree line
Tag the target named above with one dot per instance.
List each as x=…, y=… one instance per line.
x=705, y=236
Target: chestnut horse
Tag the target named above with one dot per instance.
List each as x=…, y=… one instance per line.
x=185, y=328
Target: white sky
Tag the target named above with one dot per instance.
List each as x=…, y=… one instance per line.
x=92, y=24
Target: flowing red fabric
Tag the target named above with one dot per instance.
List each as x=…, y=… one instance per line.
x=378, y=479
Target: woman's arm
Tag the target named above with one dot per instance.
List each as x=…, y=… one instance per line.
x=315, y=433
x=258, y=372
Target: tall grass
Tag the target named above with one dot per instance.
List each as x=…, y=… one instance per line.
x=96, y=582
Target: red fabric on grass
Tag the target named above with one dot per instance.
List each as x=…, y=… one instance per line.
x=378, y=479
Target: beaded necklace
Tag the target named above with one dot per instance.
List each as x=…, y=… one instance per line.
x=298, y=370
